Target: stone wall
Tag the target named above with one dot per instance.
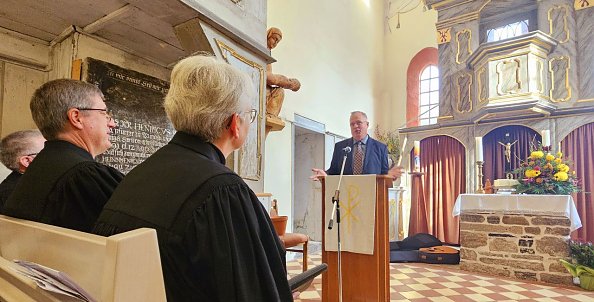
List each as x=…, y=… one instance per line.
x=526, y=247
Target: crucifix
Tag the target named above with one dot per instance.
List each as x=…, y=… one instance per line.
x=507, y=150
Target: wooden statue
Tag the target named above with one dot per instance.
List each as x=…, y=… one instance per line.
x=276, y=83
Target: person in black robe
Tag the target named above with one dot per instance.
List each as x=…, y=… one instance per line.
x=216, y=240
x=64, y=186
x=17, y=151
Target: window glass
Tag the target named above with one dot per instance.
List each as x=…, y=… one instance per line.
x=507, y=31
x=429, y=95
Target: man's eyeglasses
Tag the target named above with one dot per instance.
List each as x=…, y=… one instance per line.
x=253, y=113
x=357, y=123
x=107, y=112
x=32, y=154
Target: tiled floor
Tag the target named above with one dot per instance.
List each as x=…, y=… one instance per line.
x=424, y=282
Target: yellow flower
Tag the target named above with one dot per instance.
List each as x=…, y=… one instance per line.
x=559, y=154
x=561, y=176
x=532, y=173
x=550, y=157
x=558, y=160
x=537, y=154
x=563, y=168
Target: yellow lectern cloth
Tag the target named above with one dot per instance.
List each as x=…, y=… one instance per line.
x=357, y=213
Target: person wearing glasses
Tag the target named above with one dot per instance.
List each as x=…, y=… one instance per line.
x=216, y=240
x=17, y=151
x=64, y=185
x=367, y=155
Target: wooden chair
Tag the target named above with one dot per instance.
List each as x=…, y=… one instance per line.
x=123, y=267
x=290, y=240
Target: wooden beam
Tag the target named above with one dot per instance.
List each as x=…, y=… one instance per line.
x=76, y=72
x=115, y=16
x=192, y=38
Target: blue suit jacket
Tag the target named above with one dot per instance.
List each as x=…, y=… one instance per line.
x=375, y=162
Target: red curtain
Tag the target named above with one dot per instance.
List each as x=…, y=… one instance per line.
x=443, y=163
x=578, y=146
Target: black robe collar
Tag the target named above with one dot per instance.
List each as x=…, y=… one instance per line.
x=199, y=145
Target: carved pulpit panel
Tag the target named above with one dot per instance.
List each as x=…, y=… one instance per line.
x=560, y=88
x=558, y=23
x=463, y=43
x=463, y=83
x=508, y=77
x=540, y=78
x=483, y=84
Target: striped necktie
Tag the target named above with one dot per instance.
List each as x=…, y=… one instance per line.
x=358, y=159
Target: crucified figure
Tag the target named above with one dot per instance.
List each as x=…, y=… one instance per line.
x=507, y=151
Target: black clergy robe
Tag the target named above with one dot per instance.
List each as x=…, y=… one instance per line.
x=63, y=186
x=7, y=186
x=216, y=240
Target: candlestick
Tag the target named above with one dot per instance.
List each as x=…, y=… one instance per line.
x=479, y=188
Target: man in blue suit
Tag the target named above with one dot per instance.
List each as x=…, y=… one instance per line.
x=367, y=156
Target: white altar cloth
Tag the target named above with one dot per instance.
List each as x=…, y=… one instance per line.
x=555, y=205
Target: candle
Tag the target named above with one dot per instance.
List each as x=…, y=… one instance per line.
x=546, y=138
x=402, y=151
x=478, y=148
x=417, y=155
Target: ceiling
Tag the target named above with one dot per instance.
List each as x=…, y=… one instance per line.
x=144, y=27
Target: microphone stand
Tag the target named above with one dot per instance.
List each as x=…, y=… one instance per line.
x=336, y=211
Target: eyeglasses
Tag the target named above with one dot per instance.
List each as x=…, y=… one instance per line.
x=32, y=154
x=107, y=112
x=357, y=123
x=253, y=113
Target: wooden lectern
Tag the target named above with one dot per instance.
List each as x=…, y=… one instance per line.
x=364, y=277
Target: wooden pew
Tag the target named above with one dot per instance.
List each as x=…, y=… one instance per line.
x=123, y=267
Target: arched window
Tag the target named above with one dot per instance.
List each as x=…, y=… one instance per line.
x=418, y=64
x=429, y=96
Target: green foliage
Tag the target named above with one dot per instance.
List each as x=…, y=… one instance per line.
x=582, y=253
x=545, y=173
x=392, y=139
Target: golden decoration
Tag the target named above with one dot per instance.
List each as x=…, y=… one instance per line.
x=565, y=27
x=567, y=86
x=500, y=76
x=468, y=51
x=581, y=4
x=459, y=100
x=444, y=35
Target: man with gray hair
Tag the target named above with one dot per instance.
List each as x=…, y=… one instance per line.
x=65, y=186
x=17, y=151
x=216, y=240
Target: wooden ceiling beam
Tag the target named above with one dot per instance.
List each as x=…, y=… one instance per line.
x=115, y=16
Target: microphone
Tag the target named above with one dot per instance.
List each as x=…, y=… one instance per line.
x=346, y=149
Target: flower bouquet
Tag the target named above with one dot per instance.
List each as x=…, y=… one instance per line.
x=582, y=265
x=392, y=140
x=545, y=173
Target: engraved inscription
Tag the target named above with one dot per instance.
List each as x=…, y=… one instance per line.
x=136, y=101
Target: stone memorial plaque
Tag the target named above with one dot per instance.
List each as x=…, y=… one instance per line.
x=136, y=101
